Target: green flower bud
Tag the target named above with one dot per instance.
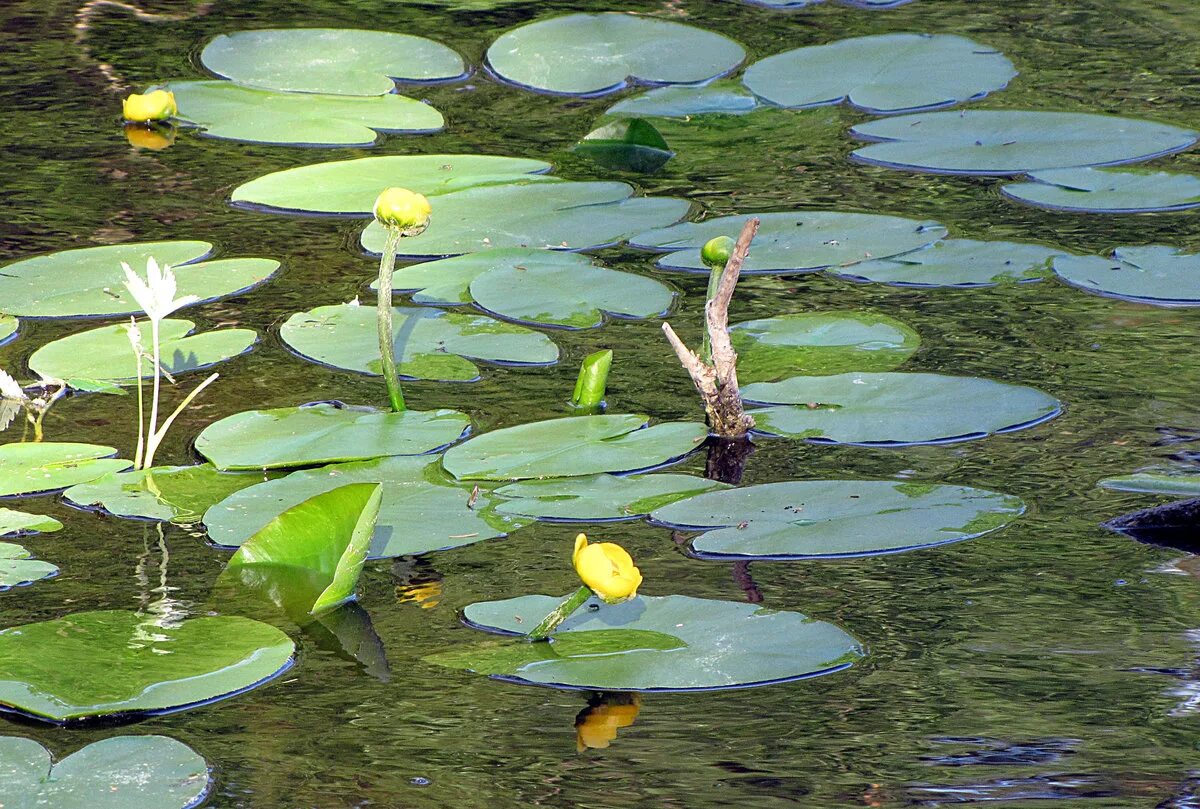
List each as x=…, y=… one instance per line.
x=716, y=252
x=404, y=209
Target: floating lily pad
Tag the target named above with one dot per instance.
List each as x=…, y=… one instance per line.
x=104, y=354
x=894, y=409
x=799, y=241
x=8, y=328
x=325, y=433
x=123, y=772
x=594, y=54
x=958, y=263
x=868, y=4
x=1150, y=481
x=17, y=569
x=629, y=144
x=1154, y=274
x=717, y=645
x=178, y=494
x=329, y=60
x=721, y=98
x=89, y=282
x=1088, y=190
x=835, y=518
x=554, y=215
x=577, y=445
x=19, y=523
x=820, y=343
x=225, y=110
x=422, y=511
x=118, y=663
x=595, y=498
x=351, y=186
x=44, y=467
x=430, y=344
x=882, y=74
x=1013, y=141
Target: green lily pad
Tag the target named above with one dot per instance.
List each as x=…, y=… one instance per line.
x=594, y=54
x=342, y=61
x=596, y=498
x=1013, y=141
x=325, y=433
x=8, y=328
x=422, y=511
x=123, y=772
x=1154, y=274
x=351, y=186
x=896, y=409
x=430, y=344
x=792, y=4
x=720, y=644
x=104, y=354
x=958, y=263
x=119, y=663
x=577, y=445
x=1088, y=190
x=835, y=518
x=882, y=74
x=178, y=494
x=820, y=343
x=225, y=110
x=1157, y=481
x=800, y=241
x=19, y=523
x=554, y=215
x=89, y=282
x=17, y=569
x=630, y=144
x=506, y=657
x=720, y=98
x=45, y=467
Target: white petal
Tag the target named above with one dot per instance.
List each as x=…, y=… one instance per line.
x=9, y=389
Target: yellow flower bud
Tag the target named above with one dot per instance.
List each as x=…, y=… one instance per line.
x=716, y=252
x=597, y=725
x=607, y=569
x=404, y=209
x=158, y=105
x=147, y=137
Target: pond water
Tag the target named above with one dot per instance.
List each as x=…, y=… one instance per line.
x=1052, y=660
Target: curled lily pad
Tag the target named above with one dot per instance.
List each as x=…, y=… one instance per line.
x=820, y=343
x=593, y=54
x=716, y=645
x=595, y=498
x=104, y=354
x=17, y=569
x=342, y=61
x=122, y=772
x=178, y=494
x=8, y=328
x=630, y=144
x=835, y=518
x=429, y=344
x=44, y=467
x=19, y=523
x=887, y=73
x=958, y=263
x=577, y=445
x=896, y=409
x=1013, y=141
x=1089, y=190
x=89, y=282
x=119, y=663
x=1157, y=481
x=1155, y=274
x=723, y=98
x=799, y=241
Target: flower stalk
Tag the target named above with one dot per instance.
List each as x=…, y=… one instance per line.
x=561, y=613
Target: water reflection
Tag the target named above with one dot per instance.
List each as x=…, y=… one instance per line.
x=596, y=725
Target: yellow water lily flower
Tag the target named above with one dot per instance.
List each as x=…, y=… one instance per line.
x=158, y=105
x=404, y=209
x=607, y=569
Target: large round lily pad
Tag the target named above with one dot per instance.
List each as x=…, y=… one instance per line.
x=799, y=241
x=668, y=643
x=577, y=445
x=595, y=498
x=1013, y=141
x=835, y=518
x=118, y=663
x=429, y=343
x=179, y=494
x=18, y=569
x=89, y=282
x=1156, y=274
x=1157, y=481
x=46, y=466
x=958, y=263
x=722, y=98
x=887, y=73
x=896, y=409
x=344, y=61
x=593, y=54
x=820, y=343
x=8, y=328
x=1089, y=190
x=19, y=523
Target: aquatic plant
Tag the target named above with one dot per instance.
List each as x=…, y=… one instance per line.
x=592, y=381
x=608, y=573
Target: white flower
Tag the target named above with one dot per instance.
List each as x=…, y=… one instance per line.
x=156, y=295
x=9, y=389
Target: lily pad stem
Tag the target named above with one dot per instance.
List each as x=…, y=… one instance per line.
x=560, y=613
x=383, y=304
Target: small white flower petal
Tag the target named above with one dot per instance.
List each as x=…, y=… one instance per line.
x=9, y=389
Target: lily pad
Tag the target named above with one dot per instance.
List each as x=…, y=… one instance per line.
x=594, y=54
x=835, y=518
x=577, y=445
x=882, y=74
x=123, y=772
x=1088, y=190
x=323, y=433
x=8, y=328
x=1157, y=481
x=225, y=110
x=820, y=343
x=791, y=4
x=958, y=263
x=178, y=494
x=1013, y=141
x=17, y=569
x=430, y=344
x=800, y=241
x=596, y=498
x=44, y=467
x=1154, y=274
x=19, y=523
x=89, y=282
x=118, y=663
x=630, y=144
x=721, y=98
x=104, y=353
x=342, y=61
x=719, y=644
x=896, y=409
